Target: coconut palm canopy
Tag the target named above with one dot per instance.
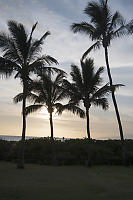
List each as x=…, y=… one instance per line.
x=21, y=53
x=103, y=26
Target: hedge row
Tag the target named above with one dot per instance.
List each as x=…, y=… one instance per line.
x=68, y=152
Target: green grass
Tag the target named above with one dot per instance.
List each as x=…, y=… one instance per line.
x=65, y=183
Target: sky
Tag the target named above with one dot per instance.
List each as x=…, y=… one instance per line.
x=56, y=16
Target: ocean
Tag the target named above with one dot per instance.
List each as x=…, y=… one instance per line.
x=18, y=138
x=14, y=138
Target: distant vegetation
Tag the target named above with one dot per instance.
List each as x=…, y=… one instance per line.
x=68, y=152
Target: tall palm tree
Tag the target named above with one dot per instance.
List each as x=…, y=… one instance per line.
x=102, y=28
x=49, y=92
x=21, y=57
x=85, y=89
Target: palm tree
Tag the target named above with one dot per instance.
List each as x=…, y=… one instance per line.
x=102, y=28
x=85, y=89
x=48, y=92
x=21, y=56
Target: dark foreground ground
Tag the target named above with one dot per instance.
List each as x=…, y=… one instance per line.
x=65, y=183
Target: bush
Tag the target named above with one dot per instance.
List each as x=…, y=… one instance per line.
x=68, y=152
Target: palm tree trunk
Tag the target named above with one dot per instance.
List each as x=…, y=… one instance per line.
x=51, y=125
x=22, y=142
x=54, y=159
x=124, y=158
x=88, y=134
x=88, y=123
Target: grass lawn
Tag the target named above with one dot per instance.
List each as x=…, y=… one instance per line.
x=65, y=183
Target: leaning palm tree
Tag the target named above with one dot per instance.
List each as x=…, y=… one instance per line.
x=85, y=89
x=21, y=57
x=102, y=28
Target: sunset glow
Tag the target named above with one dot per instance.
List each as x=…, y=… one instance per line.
x=45, y=115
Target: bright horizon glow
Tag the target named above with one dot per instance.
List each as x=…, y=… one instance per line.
x=43, y=113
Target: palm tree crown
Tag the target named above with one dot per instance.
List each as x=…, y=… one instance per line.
x=47, y=91
x=103, y=26
x=21, y=52
x=85, y=86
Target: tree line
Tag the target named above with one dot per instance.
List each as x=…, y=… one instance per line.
x=21, y=58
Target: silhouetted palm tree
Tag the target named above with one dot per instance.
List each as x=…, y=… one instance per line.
x=21, y=56
x=49, y=92
x=102, y=28
x=85, y=89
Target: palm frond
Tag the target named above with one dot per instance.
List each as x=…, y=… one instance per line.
x=93, y=47
x=119, y=32
x=72, y=108
x=76, y=76
x=102, y=102
x=60, y=94
x=32, y=30
x=58, y=107
x=41, y=91
x=4, y=41
x=32, y=108
x=116, y=20
x=97, y=80
x=129, y=27
x=19, y=36
x=53, y=70
x=115, y=87
x=32, y=97
x=9, y=48
x=7, y=67
x=39, y=65
x=87, y=74
x=59, y=78
x=105, y=90
x=50, y=60
x=36, y=47
x=71, y=91
x=18, y=98
x=83, y=27
x=99, y=13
